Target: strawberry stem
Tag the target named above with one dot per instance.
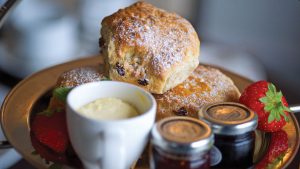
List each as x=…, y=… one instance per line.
x=273, y=104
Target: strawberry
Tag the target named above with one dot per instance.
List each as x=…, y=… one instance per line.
x=271, y=106
x=44, y=152
x=263, y=164
x=277, y=148
x=50, y=129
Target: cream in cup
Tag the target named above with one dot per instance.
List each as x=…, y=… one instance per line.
x=109, y=142
x=108, y=109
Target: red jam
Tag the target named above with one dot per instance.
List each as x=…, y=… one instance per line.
x=233, y=125
x=181, y=143
x=164, y=160
x=238, y=149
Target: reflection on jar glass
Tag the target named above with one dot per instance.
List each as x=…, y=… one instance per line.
x=233, y=125
x=181, y=143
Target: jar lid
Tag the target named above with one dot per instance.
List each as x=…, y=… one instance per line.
x=229, y=118
x=182, y=135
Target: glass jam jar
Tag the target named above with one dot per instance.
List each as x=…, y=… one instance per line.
x=181, y=143
x=234, y=127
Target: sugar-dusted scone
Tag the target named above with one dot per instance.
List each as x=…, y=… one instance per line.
x=149, y=47
x=205, y=85
x=73, y=78
x=81, y=75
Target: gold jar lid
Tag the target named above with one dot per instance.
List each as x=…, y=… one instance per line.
x=229, y=118
x=182, y=135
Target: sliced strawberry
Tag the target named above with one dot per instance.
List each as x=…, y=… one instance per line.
x=278, y=145
x=263, y=164
x=270, y=105
x=51, y=130
x=277, y=148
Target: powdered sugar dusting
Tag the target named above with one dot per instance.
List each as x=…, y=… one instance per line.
x=162, y=37
x=80, y=76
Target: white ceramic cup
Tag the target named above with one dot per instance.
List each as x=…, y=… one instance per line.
x=109, y=144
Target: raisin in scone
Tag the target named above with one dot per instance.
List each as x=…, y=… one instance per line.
x=149, y=47
x=205, y=85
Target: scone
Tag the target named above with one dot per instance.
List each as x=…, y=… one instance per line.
x=81, y=75
x=149, y=47
x=73, y=78
x=205, y=85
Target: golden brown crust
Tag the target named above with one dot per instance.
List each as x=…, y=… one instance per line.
x=148, y=46
x=205, y=85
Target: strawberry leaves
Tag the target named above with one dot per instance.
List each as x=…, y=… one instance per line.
x=106, y=79
x=46, y=112
x=274, y=105
x=49, y=112
x=61, y=93
x=270, y=105
x=34, y=153
x=55, y=166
